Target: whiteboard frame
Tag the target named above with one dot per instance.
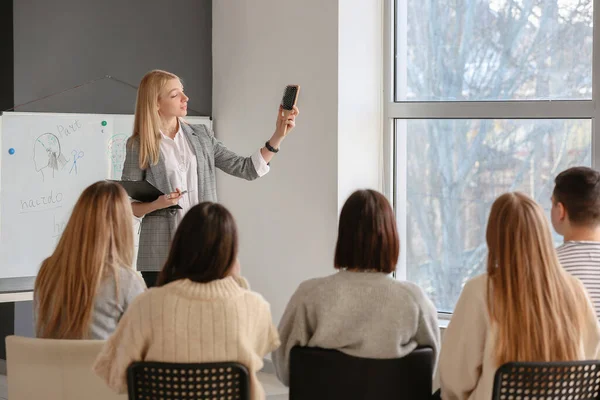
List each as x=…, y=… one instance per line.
x=206, y=120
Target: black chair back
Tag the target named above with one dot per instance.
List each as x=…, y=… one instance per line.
x=575, y=380
x=317, y=373
x=170, y=381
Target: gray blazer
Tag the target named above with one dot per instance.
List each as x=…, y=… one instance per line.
x=158, y=227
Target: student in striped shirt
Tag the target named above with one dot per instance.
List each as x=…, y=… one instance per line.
x=576, y=216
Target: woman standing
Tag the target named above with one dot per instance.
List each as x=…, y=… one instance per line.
x=181, y=160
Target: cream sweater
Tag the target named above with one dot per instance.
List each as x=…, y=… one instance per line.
x=466, y=366
x=191, y=322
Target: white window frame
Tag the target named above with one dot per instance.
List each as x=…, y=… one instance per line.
x=394, y=147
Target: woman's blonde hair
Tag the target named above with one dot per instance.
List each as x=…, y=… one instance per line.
x=97, y=240
x=146, y=125
x=537, y=308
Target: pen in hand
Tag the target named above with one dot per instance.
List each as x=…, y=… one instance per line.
x=179, y=194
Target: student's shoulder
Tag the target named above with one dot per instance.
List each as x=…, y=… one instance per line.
x=401, y=290
x=256, y=302
x=477, y=281
x=255, y=298
x=316, y=290
x=407, y=287
x=129, y=277
x=137, y=296
x=566, y=248
x=475, y=290
x=247, y=292
x=476, y=285
x=129, y=274
x=313, y=285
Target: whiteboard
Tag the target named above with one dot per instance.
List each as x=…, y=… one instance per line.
x=46, y=161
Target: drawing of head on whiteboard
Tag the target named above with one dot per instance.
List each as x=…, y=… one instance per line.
x=116, y=151
x=47, y=153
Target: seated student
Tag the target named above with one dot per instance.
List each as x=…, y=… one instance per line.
x=576, y=216
x=85, y=286
x=202, y=311
x=525, y=308
x=361, y=310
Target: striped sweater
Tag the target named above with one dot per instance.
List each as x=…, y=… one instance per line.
x=582, y=260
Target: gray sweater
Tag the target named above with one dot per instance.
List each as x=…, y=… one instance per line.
x=109, y=306
x=363, y=314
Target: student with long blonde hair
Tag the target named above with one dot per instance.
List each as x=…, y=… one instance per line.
x=180, y=160
x=85, y=286
x=525, y=308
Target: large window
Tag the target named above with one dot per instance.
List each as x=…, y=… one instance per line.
x=484, y=97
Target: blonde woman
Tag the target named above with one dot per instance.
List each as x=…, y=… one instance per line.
x=525, y=308
x=181, y=160
x=85, y=286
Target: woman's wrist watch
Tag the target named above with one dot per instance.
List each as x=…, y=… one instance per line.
x=270, y=148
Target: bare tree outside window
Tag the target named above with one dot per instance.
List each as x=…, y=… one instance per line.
x=484, y=51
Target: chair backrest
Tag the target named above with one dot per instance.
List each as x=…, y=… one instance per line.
x=169, y=381
x=575, y=380
x=54, y=369
x=317, y=373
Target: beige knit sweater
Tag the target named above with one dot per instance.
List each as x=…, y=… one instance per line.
x=467, y=366
x=191, y=322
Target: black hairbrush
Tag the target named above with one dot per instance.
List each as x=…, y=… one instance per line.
x=290, y=96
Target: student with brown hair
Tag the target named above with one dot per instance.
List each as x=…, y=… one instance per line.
x=202, y=311
x=524, y=308
x=85, y=286
x=361, y=310
x=576, y=216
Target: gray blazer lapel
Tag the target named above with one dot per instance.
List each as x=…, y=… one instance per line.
x=157, y=176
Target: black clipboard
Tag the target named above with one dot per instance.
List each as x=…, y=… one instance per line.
x=143, y=191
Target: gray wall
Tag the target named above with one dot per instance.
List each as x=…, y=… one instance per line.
x=59, y=44
x=6, y=101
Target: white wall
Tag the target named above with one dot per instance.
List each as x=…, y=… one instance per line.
x=288, y=219
x=360, y=109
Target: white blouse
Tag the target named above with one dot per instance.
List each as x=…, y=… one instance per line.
x=182, y=169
